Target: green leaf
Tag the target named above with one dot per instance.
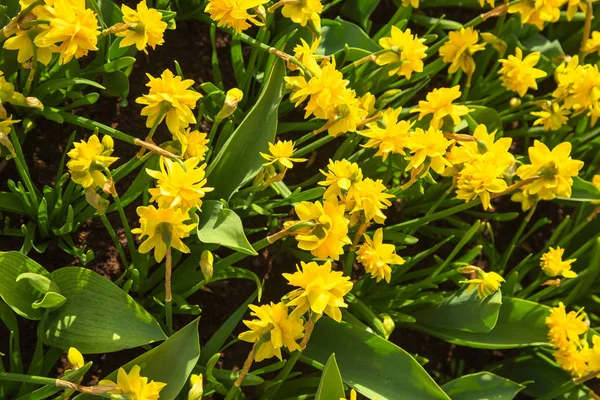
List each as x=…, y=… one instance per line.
x=50, y=300
x=520, y=323
x=239, y=159
x=359, y=11
x=463, y=311
x=47, y=391
x=222, y=226
x=538, y=42
x=370, y=364
x=483, y=385
x=583, y=191
x=171, y=362
x=20, y=295
x=98, y=317
x=331, y=385
x=116, y=84
x=55, y=84
x=338, y=34
x=482, y=115
x=39, y=282
x=10, y=202
x=112, y=66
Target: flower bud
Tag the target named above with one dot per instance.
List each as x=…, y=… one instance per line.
x=75, y=358
x=197, y=390
x=514, y=102
x=232, y=98
x=206, y=264
x=108, y=142
x=34, y=102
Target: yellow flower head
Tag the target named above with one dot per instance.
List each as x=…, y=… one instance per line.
x=486, y=146
x=197, y=390
x=193, y=143
x=234, y=13
x=565, y=328
x=87, y=160
x=273, y=328
x=405, y=55
x=303, y=11
x=134, y=385
x=428, y=146
x=281, y=153
x=319, y=289
x=439, y=103
x=5, y=129
x=479, y=179
x=74, y=27
x=145, y=27
x=555, y=168
x=232, y=99
x=459, y=50
x=346, y=116
x=305, y=53
x=593, y=354
x=369, y=198
x=75, y=358
x=527, y=201
x=169, y=97
x=553, y=265
x=339, y=177
x=329, y=234
x=537, y=12
x=23, y=41
x=573, y=359
x=553, y=116
x=486, y=283
x=388, y=135
x=518, y=74
x=367, y=103
x=592, y=45
x=179, y=187
x=164, y=227
x=376, y=256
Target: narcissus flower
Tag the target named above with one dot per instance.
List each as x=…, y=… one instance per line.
x=522, y=196
x=553, y=265
x=232, y=98
x=145, y=27
x=459, y=50
x=405, y=52
x=329, y=234
x=75, y=358
x=179, y=185
x=480, y=179
x=23, y=42
x=193, y=143
x=565, y=328
x=197, y=390
x=593, y=355
x=169, y=97
x=486, y=283
x=303, y=11
x=555, y=168
x=439, y=103
x=376, y=256
x=552, y=117
x=339, y=177
x=281, y=153
x=518, y=74
x=319, y=289
x=165, y=227
x=573, y=359
x=74, y=27
x=369, y=199
x=5, y=129
x=305, y=53
x=346, y=116
x=387, y=135
x=235, y=13
x=88, y=159
x=428, y=146
x=273, y=328
x=134, y=385
x=537, y=12
x=486, y=146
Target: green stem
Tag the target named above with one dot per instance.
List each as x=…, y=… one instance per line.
x=115, y=240
x=40, y=380
x=513, y=243
x=130, y=241
x=163, y=111
x=168, y=295
x=24, y=170
x=93, y=125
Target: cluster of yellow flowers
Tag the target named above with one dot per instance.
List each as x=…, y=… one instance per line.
x=553, y=265
x=572, y=351
x=70, y=29
x=538, y=12
x=133, y=385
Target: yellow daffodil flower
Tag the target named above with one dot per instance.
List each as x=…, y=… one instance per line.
x=593, y=355
x=428, y=146
x=5, y=129
x=459, y=50
x=439, y=103
x=281, y=153
x=555, y=168
x=164, y=227
x=134, y=385
x=405, y=52
x=480, y=179
x=537, y=12
x=193, y=143
x=553, y=265
x=388, y=135
x=75, y=358
x=272, y=328
x=376, y=256
x=319, y=289
x=565, y=328
x=339, y=177
x=303, y=11
x=145, y=27
x=88, y=159
x=573, y=359
x=24, y=44
x=486, y=283
x=553, y=116
x=234, y=13
x=518, y=74
x=346, y=116
x=486, y=146
x=522, y=196
x=169, y=98
x=179, y=186
x=369, y=199
x=197, y=390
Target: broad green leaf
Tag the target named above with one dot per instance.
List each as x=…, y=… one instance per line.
x=331, y=385
x=520, y=323
x=20, y=296
x=222, y=226
x=98, y=317
x=338, y=34
x=370, y=364
x=116, y=84
x=239, y=160
x=483, y=385
x=359, y=10
x=463, y=311
x=171, y=362
x=538, y=42
x=583, y=191
x=482, y=115
x=55, y=84
x=11, y=202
